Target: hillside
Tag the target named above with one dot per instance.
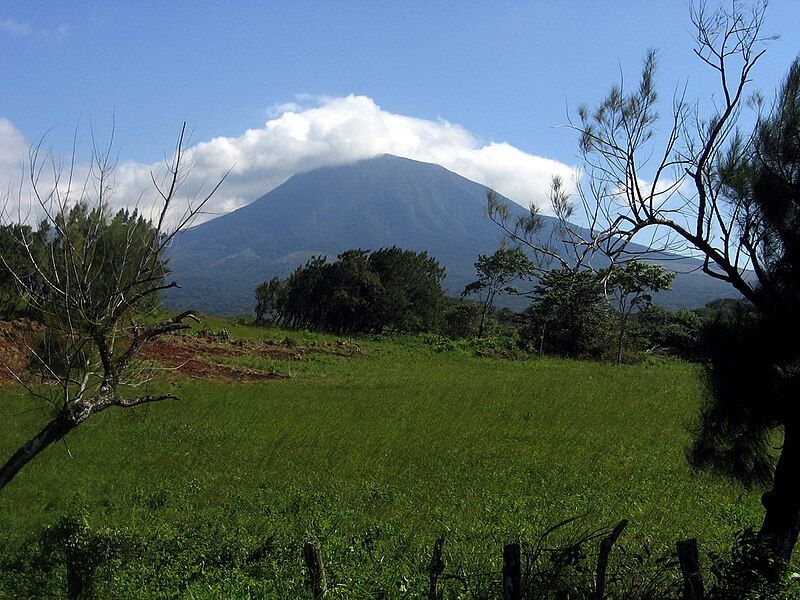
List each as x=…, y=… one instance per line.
x=383, y=201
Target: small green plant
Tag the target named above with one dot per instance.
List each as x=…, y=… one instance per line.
x=739, y=573
x=243, y=319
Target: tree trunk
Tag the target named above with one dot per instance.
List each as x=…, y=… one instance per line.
x=781, y=524
x=55, y=430
x=486, y=305
x=543, y=333
x=621, y=338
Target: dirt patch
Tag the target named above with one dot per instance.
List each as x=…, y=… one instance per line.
x=188, y=354
x=172, y=352
x=13, y=348
x=219, y=345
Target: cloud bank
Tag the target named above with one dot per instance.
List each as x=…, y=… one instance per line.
x=322, y=132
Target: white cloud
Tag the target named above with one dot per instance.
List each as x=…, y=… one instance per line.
x=15, y=27
x=13, y=149
x=20, y=29
x=12, y=145
x=335, y=131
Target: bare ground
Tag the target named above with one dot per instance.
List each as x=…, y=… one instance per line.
x=189, y=356
x=13, y=349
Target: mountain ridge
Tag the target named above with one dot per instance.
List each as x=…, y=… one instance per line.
x=383, y=201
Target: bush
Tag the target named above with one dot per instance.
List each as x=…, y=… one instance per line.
x=569, y=315
x=737, y=575
x=674, y=333
x=362, y=291
x=461, y=319
x=244, y=319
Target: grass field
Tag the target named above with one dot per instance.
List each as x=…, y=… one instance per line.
x=373, y=454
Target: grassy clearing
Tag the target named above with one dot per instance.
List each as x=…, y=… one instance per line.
x=374, y=455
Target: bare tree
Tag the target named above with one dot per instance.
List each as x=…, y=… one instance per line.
x=691, y=187
x=679, y=196
x=660, y=188
x=94, y=288
x=566, y=245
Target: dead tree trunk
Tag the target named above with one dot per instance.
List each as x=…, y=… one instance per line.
x=316, y=569
x=602, y=560
x=54, y=431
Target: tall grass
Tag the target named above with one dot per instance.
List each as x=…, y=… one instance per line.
x=373, y=455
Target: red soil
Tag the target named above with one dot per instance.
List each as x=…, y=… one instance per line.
x=13, y=350
x=186, y=356
x=189, y=356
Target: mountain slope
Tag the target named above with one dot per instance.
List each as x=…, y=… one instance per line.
x=378, y=202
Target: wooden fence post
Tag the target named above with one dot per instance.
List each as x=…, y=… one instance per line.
x=316, y=569
x=602, y=559
x=689, y=558
x=436, y=569
x=512, y=572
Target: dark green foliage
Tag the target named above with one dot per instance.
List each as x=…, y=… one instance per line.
x=744, y=401
x=677, y=334
x=738, y=573
x=497, y=274
x=388, y=289
x=410, y=296
x=268, y=296
x=106, y=257
x=772, y=191
x=631, y=287
x=461, y=318
x=724, y=307
x=15, y=263
x=569, y=315
x=101, y=250
x=753, y=358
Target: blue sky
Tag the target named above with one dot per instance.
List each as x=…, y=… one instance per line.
x=503, y=71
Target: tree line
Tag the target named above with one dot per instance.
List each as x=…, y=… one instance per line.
x=607, y=314
x=26, y=250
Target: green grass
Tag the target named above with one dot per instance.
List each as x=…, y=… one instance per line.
x=374, y=455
